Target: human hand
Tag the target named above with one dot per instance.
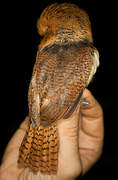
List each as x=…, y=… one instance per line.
x=81, y=141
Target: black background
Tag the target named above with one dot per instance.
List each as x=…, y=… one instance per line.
x=19, y=43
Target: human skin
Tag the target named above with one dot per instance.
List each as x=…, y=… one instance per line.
x=81, y=141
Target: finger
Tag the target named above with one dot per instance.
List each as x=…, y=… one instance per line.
x=92, y=116
x=24, y=124
x=9, y=162
x=16, y=140
x=69, y=160
x=93, y=109
x=91, y=132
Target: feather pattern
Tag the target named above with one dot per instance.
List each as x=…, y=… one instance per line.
x=65, y=64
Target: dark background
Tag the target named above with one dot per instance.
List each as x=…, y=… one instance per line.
x=19, y=46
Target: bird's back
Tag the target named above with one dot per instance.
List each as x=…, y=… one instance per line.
x=61, y=75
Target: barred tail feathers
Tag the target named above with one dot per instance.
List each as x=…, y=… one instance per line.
x=39, y=149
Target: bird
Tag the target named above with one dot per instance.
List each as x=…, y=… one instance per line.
x=66, y=62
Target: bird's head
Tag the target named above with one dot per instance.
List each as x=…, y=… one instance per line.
x=63, y=23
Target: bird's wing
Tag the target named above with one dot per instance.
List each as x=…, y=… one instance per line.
x=62, y=75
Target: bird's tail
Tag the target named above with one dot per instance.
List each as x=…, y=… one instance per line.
x=39, y=149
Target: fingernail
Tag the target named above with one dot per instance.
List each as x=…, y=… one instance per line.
x=84, y=102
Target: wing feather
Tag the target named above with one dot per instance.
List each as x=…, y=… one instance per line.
x=62, y=74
